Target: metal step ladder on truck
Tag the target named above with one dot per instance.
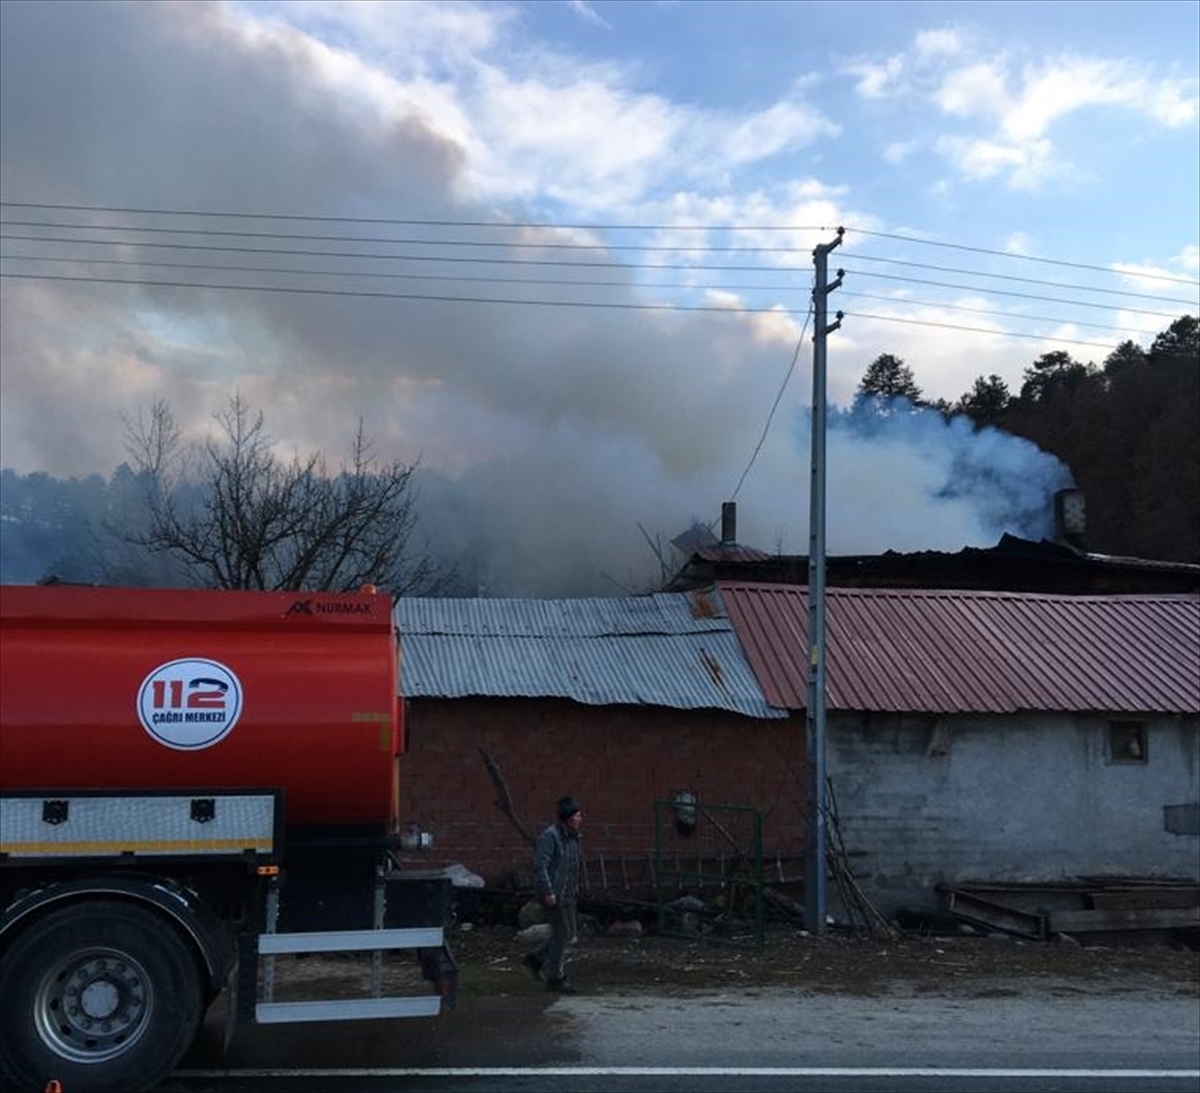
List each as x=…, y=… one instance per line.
x=194, y=784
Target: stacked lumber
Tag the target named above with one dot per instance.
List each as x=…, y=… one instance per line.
x=1084, y=905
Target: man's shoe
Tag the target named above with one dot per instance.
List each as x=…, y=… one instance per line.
x=533, y=964
x=559, y=986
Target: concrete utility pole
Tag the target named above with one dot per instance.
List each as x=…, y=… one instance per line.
x=814, y=737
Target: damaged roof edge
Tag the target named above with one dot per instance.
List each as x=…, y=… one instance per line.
x=676, y=650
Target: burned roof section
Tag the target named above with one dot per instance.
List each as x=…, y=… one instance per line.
x=1013, y=564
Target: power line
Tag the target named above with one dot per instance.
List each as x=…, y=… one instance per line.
x=974, y=329
x=775, y=405
x=380, y=257
x=523, y=225
x=374, y=273
x=573, y=282
x=454, y=278
x=1023, y=280
x=535, y=303
x=410, y=221
x=401, y=295
x=506, y=243
x=573, y=246
x=1018, y=295
x=1005, y=254
x=997, y=314
x=560, y=263
x=623, y=267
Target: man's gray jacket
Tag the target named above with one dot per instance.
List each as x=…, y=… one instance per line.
x=556, y=863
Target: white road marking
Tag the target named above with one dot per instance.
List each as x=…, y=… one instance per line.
x=698, y=1071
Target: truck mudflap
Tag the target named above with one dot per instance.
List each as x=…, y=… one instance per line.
x=440, y=968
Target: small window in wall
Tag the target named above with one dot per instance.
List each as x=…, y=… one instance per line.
x=1126, y=742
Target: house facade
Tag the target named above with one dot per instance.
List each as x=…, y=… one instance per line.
x=618, y=702
x=970, y=736
x=995, y=737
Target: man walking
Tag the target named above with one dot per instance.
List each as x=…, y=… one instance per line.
x=556, y=877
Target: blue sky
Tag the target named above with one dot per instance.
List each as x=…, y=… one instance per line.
x=1014, y=177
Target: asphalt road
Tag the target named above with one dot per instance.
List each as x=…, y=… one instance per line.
x=752, y=1040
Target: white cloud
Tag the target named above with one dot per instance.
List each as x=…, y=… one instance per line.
x=414, y=38
x=1064, y=85
x=1018, y=243
x=877, y=80
x=900, y=150
x=1188, y=259
x=1174, y=103
x=931, y=44
x=1027, y=102
x=975, y=90
x=584, y=137
x=1024, y=166
x=588, y=14
x=1010, y=105
x=1152, y=277
x=900, y=72
x=532, y=122
x=783, y=125
x=584, y=142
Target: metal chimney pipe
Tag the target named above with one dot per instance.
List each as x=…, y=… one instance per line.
x=728, y=522
x=1070, y=518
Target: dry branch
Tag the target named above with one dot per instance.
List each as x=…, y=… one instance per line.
x=504, y=798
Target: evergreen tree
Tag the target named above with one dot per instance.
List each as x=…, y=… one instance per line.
x=986, y=401
x=1180, y=341
x=1128, y=355
x=1129, y=435
x=1052, y=372
x=887, y=378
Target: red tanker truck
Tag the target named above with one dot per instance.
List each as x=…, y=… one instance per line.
x=194, y=785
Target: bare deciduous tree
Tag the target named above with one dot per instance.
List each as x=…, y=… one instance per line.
x=239, y=517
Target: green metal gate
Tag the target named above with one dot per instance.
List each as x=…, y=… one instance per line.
x=708, y=871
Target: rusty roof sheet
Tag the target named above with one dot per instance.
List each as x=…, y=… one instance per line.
x=669, y=649
x=961, y=651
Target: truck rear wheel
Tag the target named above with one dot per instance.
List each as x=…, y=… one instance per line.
x=101, y=996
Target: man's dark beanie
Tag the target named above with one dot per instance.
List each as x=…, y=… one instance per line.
x=567, y=807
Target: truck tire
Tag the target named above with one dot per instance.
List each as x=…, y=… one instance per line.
x=102, y=996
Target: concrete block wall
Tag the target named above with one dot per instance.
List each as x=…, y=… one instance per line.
x=924, y=801
x=615, y=760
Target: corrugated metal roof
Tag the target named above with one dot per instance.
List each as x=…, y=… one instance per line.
x=943, y=651
x=731, y=552
x=670, y=649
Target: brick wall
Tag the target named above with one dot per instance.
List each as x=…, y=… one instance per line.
x=615, y=760
x=920, y=801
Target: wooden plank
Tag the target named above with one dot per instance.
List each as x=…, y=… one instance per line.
x=1076, y=922
x=1138, y=882
x=995, y=915
x=1021, y=886
x=1146, y=899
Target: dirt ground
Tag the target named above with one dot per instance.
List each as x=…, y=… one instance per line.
x=489, y=958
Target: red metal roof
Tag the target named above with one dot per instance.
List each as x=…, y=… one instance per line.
x=961, y=651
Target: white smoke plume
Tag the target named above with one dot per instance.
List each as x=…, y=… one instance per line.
x=552, y=440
